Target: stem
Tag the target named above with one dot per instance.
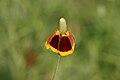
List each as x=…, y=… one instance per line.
x=56, y=68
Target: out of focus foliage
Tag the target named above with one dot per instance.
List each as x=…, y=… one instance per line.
x=26, y=24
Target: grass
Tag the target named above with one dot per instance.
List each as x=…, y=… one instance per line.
x=26, y=24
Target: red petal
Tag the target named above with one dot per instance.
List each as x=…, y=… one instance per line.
x=54, y=42
x=65, y=44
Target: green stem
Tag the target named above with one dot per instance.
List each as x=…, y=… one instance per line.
x=56, y=68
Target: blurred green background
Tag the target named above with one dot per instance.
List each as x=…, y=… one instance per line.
x=26, y=24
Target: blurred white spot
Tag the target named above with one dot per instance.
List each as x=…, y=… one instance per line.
x=101, y=10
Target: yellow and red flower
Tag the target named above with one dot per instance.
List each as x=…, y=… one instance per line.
x=61, y=43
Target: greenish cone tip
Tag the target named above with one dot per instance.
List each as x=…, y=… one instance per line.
x=63, y=25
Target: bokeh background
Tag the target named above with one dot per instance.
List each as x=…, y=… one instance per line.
x=26, y=24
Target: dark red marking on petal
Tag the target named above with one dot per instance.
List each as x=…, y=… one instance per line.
x=54, y=42
x=51, y=36
x=65, y=44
